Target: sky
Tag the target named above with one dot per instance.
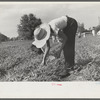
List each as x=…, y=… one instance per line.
x=11, y=12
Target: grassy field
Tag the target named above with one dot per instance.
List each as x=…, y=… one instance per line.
x=19, y=63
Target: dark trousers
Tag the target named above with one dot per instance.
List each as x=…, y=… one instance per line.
x=69, y=48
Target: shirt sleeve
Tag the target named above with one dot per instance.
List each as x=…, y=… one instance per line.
x=55, y=29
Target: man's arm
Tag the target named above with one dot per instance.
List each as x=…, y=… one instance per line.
x=47, y=48
x=63, y=41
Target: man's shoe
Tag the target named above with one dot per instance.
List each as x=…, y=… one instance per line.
x=64, y=75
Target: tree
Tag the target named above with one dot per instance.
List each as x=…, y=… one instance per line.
x=97, y=28
x=27, y=25
x=3, y=38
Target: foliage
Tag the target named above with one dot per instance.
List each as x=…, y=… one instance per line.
x=27, y=25
x=3, y=38
x=19, y=63
x=97, y=28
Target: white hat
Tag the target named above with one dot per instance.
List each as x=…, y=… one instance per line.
x=41, y=35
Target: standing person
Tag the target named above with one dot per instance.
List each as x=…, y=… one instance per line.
x=63, y=27
x=93, y=31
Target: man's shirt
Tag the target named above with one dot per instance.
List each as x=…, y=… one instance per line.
x=58, y=24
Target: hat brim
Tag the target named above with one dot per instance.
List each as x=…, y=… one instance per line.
x=41, y=43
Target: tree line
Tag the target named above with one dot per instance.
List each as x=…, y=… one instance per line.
x=27, y=25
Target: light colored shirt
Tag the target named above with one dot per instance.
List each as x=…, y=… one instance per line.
x=58, y=24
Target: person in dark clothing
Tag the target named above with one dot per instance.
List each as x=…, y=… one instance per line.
x=63, y=28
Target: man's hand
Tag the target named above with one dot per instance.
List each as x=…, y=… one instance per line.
x=43, y=63
x=37, y=50
x=32, y=47
x=58, y=53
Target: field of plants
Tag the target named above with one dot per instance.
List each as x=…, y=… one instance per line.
x=19, y=63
